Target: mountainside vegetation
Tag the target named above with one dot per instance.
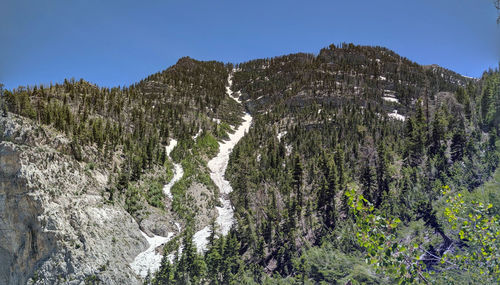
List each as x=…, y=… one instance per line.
x=129, y=126
x=352, y=123
x=321, y=127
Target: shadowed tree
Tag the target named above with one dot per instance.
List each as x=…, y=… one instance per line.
x=2, y=101
x=497, y=5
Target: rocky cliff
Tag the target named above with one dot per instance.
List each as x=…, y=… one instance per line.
x=55, y=226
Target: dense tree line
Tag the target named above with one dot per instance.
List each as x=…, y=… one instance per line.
x=311, y=142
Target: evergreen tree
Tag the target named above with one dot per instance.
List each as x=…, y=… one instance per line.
x=297, y=183
x=382, y=174
x=3, y=101
x=368, y=182
x=458, y=143
x=330, y=215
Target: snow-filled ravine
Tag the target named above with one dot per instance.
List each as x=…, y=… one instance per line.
x=150, y=260
x=217, y=167
x=178, y=171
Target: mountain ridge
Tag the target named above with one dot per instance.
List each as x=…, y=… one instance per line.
x=350, y=117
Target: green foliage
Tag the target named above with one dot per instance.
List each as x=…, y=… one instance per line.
x=328, y=265
x=476, y=255
x=92, y=280
x=154, y=193
x=206, y=144
x=222, y=130
x=480, y=232
x=132, y=200
x=377, y=234
x=309, y=106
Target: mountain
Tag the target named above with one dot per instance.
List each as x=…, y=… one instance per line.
x=238, y=172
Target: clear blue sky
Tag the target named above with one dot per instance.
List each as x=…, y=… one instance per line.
x=120, y=42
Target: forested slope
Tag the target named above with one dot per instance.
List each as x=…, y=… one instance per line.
x=327, y=123
x=350, y=117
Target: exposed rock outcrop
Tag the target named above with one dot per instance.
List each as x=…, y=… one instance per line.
x=23, y=243
x=55, y=227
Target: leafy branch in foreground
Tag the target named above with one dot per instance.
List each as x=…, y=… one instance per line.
x=384, y=251
x=480, y=233
x=475, y=253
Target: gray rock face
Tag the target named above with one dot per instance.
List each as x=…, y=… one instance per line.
x=23, y=243
x=55, y=227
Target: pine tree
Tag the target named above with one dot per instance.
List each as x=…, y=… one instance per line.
x=339, y=162
x=368, y=182
x=3, y=101
x=163, y=276
x=297, y=183
x=330, y=209
x=416, y=136
x=382, y=174
x=439, y=129
x=458, y=145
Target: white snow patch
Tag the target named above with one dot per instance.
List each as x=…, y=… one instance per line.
x=396, y=116
x=229, y=91
x=197, y=134
x=200, y=239
x=216, y=120
x=178, y=172
x=178, y=226
x=382, y=78
x=218, y=166
x=390, y=99
x=170, y=146
x=171, y=257
x=149, y=260
x=282, y=134
x=226, y=218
